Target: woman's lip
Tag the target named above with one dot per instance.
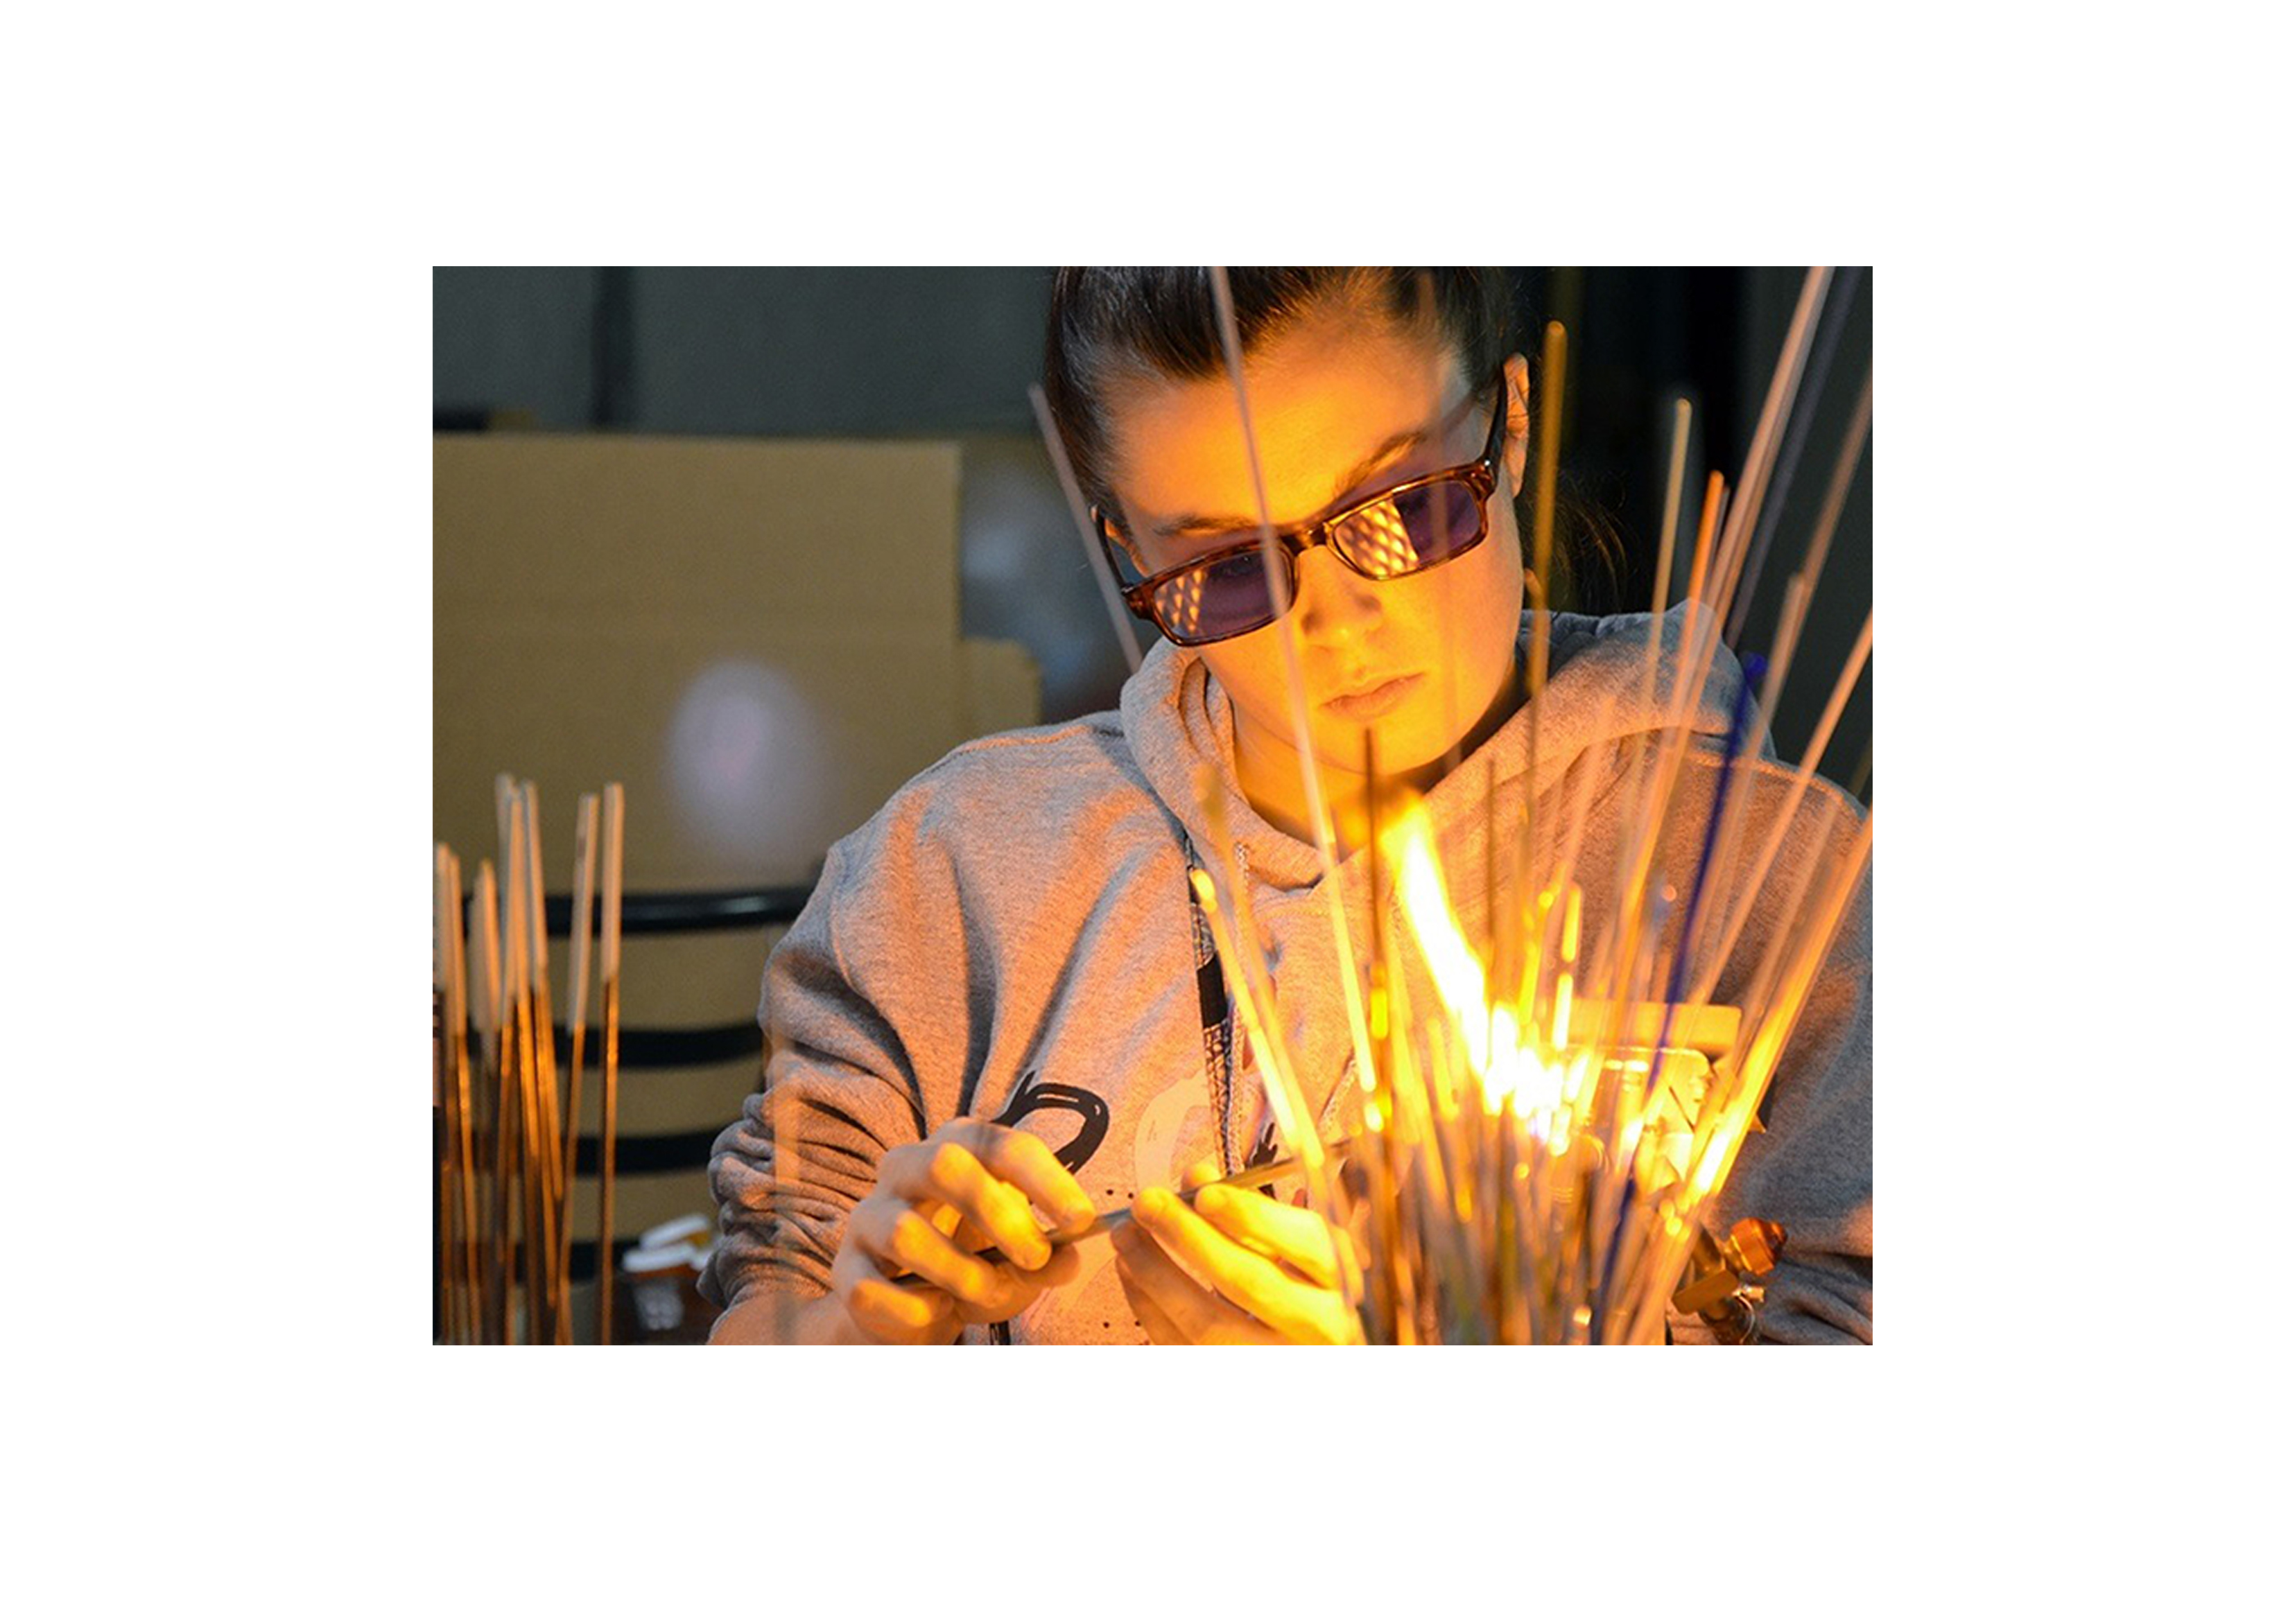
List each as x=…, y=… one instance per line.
x=1368, y=703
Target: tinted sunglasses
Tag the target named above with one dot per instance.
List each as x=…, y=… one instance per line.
x=1227, y=591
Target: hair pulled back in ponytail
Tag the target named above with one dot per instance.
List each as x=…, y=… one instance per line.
x=1110, y=322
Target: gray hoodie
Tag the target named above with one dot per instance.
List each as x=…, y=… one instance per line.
x=1010, y=937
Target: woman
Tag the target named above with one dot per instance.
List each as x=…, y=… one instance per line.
x=994, y=1009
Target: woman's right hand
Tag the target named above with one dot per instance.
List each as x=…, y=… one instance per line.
x=907, y=1270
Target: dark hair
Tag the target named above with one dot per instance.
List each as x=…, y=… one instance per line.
x=1107, y=321
x=1110, y=320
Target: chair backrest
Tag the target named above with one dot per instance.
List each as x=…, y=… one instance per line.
x=647, y=1049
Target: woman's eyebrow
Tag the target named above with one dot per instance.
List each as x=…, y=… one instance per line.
x=1389, y=451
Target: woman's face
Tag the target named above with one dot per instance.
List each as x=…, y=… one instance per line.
x=1343, y=404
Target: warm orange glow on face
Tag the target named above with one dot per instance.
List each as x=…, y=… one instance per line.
x=1323, y=392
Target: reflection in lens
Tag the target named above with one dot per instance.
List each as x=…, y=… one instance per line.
x=1376, y=541
x=1222, y=599
x=1412, y=530
x=1179, y=603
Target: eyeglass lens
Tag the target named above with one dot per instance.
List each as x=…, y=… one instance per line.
x=1410, y=531
x=1223, y=600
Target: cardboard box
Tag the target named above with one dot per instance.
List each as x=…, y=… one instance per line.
x=760, y=639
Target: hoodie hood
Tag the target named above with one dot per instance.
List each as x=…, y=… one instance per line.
x=1177, y=716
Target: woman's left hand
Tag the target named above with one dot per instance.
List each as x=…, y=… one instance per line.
x=1273, y=1272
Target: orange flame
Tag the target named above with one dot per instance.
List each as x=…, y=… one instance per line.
x=1512, y=1072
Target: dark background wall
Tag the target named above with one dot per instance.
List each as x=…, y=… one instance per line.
x=948, y=354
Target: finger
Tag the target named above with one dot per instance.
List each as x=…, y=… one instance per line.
x=1244, y=1278
x=1203, y=1171
x=1062, y=1268
x=904, y=1241
x=1158, y=1320
x=948, y=1170
x=1010, y=1289
x=1147, y=1275
x=1219, y=1324
x=1197, y=1313
x=1158, y=1327
x=1293, y=1235
x=1025, y=1161
x=893, y=1314
x=889, y=1311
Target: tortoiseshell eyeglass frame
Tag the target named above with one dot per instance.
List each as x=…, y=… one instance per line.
x=1480, y=477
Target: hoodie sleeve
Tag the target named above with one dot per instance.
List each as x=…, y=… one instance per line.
x=1813, y=1169
x=845, y=995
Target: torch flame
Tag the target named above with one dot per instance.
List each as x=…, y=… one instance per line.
x=1513, y=1072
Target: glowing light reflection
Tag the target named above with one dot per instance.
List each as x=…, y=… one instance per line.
x=751, y=765
x=1513, y=1074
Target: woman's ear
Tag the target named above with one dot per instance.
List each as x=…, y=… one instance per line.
x=1520, y=422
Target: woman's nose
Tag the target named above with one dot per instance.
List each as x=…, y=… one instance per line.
x=1335, y=603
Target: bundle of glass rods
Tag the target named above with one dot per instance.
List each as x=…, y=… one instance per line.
x=506, y=1142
